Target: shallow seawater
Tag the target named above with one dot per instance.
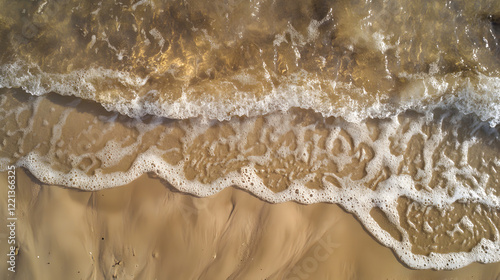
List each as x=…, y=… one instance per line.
x=388, y=108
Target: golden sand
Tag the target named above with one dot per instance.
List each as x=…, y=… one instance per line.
x=387, y=108
x=148, y=230
x=72, y=135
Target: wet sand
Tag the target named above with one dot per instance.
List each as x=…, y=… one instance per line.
x=393, y=174
x=148, y=230
x=347, y=102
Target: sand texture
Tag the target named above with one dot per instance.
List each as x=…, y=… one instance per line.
x=148, y=230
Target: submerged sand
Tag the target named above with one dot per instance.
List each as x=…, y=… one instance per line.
x=248, y=104
x=148, y=230
x=426, y=188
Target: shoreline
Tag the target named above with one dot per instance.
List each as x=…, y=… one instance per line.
x=148, y=229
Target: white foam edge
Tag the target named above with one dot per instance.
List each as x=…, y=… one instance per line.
x=356, y=199
x=484, y=104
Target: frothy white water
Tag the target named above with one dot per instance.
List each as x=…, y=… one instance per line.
x=353, y=197
x=362, y=75
x=424, y=94
x=435, y=162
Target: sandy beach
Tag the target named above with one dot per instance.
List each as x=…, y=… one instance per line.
x=270, y=139
x=148, y=230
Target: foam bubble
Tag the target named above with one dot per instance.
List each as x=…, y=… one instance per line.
x=470, y=98
x=297, y=156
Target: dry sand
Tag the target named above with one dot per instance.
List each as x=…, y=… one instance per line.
x=289, y=55
x=148, y=230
